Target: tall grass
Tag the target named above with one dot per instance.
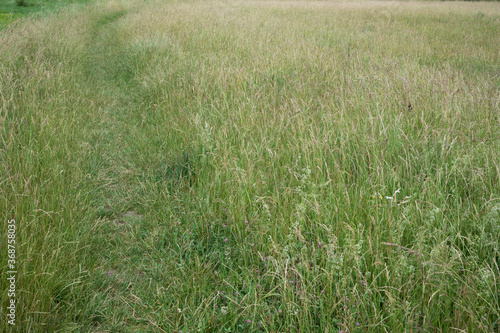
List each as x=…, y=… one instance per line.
x=283, y=166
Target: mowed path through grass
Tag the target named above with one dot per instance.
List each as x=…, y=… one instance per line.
x=282, y=166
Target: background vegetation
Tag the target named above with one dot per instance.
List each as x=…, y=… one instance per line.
x=283, y=166
x=11, y=10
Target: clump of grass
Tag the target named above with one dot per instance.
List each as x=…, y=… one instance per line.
x=24, y=3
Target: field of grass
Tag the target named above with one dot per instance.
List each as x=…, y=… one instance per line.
x=252, y=166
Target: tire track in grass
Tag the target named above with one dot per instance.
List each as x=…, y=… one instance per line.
x=144, y=177
x=110, y=70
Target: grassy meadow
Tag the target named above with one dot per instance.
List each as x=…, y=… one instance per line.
x=252, y=166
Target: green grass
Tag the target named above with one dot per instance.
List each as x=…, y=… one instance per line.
x=285, y=166
x=10, y=10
